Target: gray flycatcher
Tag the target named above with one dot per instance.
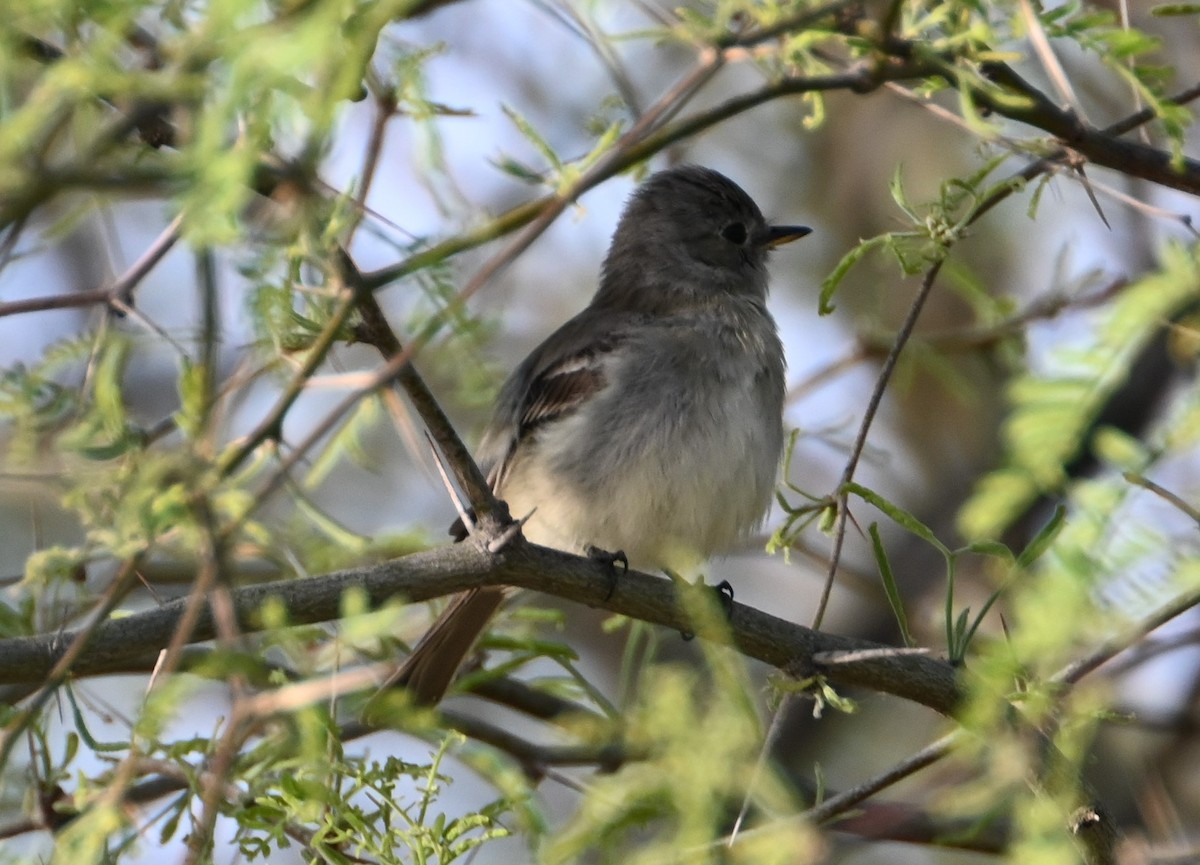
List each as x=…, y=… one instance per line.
x=651, y=422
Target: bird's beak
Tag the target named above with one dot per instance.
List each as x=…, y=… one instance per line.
x=778, y=235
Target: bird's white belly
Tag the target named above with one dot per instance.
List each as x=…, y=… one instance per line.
x=697, y=483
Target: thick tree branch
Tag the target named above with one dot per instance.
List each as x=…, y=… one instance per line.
x=1099, y=146
x=453, y=568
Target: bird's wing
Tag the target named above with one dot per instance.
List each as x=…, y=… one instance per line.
x=557, y=378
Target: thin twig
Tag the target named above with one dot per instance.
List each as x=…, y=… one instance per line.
x=1189, y=510
x=847, y=799
x=91, y=297
x=122, y=289
x=840, y=803
x=860, y=441
x=385, y=109
x=1110, y=648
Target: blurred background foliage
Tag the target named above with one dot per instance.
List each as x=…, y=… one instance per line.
x=199, y=201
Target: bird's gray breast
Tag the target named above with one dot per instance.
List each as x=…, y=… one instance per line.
x=684, y=440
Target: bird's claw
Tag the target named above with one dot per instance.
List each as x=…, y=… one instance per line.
x=610, y=560
x=724, y=590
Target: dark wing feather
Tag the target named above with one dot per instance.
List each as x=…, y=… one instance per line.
x=552, y=394
x=555, y=379
x=559, y=390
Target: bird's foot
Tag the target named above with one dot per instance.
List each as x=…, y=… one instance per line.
x=723, y=589
x=610, y=560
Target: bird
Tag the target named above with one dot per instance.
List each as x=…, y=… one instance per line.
x=650, y=425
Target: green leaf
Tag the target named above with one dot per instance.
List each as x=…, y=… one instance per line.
x=1121, y=450
x=969, y=635
x=957, y=648
x=1043, y=539
x=104, y=432
x=896, y=188
x=830, y=284
x=990, y=548
x=889, y=584
x=603, y=144
x=534, y=137
x=898, y=515
x=1170, y=9
x=193, y=398
x=81, y=728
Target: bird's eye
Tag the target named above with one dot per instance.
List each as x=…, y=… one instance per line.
x=735, y=232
